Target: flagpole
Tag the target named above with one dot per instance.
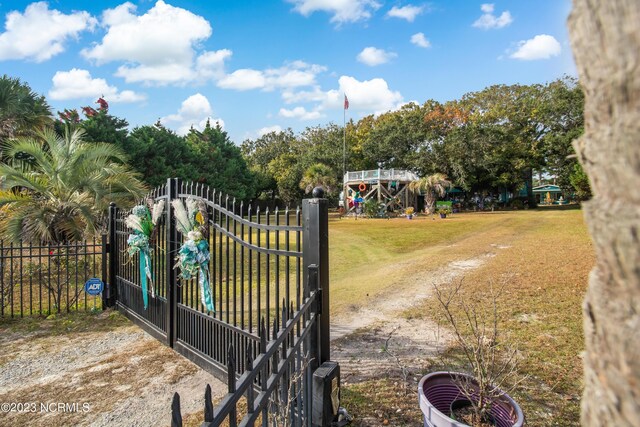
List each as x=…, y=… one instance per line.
x=344, y=151
x=344, y=141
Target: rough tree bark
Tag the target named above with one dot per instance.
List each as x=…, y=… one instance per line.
x=605, y=36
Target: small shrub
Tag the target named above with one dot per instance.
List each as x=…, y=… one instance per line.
x=444, y=210
x=516, y=204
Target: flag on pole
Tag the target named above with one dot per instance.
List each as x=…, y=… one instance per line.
x=346, y=102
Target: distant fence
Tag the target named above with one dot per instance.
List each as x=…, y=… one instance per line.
x=43, y=279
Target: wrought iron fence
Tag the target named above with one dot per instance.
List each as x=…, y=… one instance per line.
x=257, y=272
x=43, y=279
x=269, y=278
x=276, y=386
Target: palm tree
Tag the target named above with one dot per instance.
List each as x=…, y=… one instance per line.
x=22, y=111
x=57, y=188
x=318, y=175
x=433, y=186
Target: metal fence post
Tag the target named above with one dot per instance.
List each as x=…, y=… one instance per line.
x=316, y=251
x=172, y=247
x=112, y=287
x=104, y=266
x=326, y=375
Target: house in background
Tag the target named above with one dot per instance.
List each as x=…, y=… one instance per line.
x=549, y=194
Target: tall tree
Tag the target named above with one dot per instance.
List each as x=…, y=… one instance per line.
x=561, y=113
x=606, y=42
x=100, y=126
x=259, y=153
x=511, y=122
x=218, y=162
x=397, y=138
x=287, y=172
x=61, y=190
x=22, y=111
x=158, y=153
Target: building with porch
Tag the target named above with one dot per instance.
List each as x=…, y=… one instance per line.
x=387, y=186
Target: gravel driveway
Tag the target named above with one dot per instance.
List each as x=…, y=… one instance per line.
x=120, y=376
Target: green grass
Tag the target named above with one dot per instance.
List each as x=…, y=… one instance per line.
x=548, y=259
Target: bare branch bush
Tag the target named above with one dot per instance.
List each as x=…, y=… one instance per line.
x=493, y=362
x=281, y=404
x=402, y=366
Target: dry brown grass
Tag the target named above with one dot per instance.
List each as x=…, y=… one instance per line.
x=547, y=255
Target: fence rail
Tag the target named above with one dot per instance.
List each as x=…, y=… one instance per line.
x=44, y=279
x=376, y=174
x=277, y=384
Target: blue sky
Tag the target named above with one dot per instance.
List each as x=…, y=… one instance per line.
x=260, y=65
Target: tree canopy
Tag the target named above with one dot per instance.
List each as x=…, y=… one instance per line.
x=158, y=153
x=487, y=140
x=61, y=189
x=22, y=111
x=493, y=139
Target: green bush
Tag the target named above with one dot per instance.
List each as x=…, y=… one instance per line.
x=516, y=204
x=371, y=208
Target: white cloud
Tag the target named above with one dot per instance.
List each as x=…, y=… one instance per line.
x=314, y=95
x=420, y=40
x=300, y=113
x=194, y=111
x=342, y=10
x=369, y=95
x=487, y=7
x=408, y=12
x=78, y=84
x=159, y=47
x=542, y=46
x=291, y=75
x=490, y=21
x=268, y=129
x=210, y=64
x=373, y=56
x=243, y=79
x=40, y=33
x=295, y=74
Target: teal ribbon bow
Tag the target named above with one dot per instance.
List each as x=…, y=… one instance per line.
x=205, y=289
x=145, y=272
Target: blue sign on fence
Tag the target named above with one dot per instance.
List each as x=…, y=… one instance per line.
x=94, y=286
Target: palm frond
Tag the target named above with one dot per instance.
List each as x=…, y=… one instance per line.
x=65, y=188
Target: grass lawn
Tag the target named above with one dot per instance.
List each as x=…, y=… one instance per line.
x=546, y=255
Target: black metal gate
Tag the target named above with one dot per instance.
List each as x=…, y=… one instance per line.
x=269, y=279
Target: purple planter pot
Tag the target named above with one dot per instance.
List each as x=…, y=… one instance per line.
x=437, y=391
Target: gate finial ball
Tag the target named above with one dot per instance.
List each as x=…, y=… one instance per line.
x=318, y=193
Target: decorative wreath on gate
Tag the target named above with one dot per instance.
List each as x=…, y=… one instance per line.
x=193, y=256
x=142, y=221
x=362, y=186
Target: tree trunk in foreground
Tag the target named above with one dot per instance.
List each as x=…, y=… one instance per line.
x=605, y=35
